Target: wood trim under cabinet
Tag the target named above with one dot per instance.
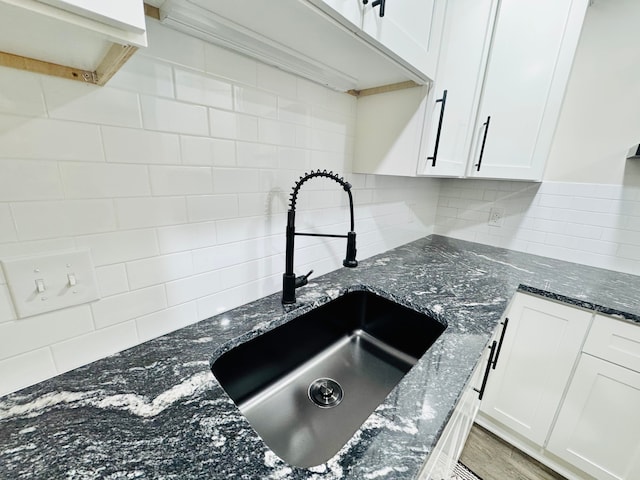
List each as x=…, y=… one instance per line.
x=392, y=87
x=151, y=11
x=46, y=68
x=115, y=58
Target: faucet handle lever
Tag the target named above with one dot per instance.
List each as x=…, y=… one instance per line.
x=302, y=279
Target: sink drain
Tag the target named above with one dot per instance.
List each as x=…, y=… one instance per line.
x=325, y=392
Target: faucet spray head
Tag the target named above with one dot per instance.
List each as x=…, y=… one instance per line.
x=350, y=259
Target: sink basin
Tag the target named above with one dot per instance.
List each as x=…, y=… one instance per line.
x=307, y=386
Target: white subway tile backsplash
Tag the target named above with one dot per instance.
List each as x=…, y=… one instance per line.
x=8, y=250
x=201, y=89
x=190, y=236
x=37, y=220
x=256, y=155
x=157, y=270
x=20, y=93
x=39, y=138
x=7, y=228
x=226, y=64
x=100, y=180
x=161, y=323
x=173, y=46
x=89, y=103
x=126, y=145
x=145, y=75
x=238, y=229
x=222, y=301
x=311, y=92
x=175, y=117
x=293, y=111
x=296, y=159
x=255, y=102
x=276, y=133
x=194, y=287
x=7, y=312
x=585, y=223
x=630, y=237
x=212, y=207
x=87, y=348
x=253, y=204
x=26, y=369
x=233, y=125
x=29, y=180
x=150, y=212
x=220, y=256
x=126, y=306
x=118, y=247
x=170, y=180
x=207, y=151
x=30, y=333
x=112, y=280
x=228, y=180
x=276, y=80
x=629, y=251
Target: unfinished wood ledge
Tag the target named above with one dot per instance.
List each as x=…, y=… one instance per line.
x=383, y=89
x=110, y=64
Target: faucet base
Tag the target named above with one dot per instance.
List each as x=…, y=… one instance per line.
x=288, y=288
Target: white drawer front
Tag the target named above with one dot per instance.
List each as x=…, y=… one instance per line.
x=616, y=341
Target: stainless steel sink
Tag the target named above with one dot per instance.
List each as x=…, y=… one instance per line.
x=308, y=385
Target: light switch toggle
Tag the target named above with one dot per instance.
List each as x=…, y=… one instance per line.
x=40, y=287
x=71, y=280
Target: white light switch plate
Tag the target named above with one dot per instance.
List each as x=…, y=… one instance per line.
x=44, y=283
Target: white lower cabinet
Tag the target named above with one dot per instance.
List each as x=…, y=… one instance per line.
x=539, y=352
x=567, y=390
x=598, y=428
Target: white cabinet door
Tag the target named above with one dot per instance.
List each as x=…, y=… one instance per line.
x=598, y=426
x=529, y=64
x=125, y=14
x=540, y=349
x=461, y=66
x=347, y=12
x=410, y=30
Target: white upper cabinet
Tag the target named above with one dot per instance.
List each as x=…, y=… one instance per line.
x=452, y=104
x=320, y=40
x=534, y=43
x=410, y=30
x=504, y=66
x=348, y=11
x=76, y=39
x=125, y=14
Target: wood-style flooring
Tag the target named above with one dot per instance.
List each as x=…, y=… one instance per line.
x=491, y=458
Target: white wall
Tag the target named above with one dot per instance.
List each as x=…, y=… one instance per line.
x=176, y=175
x=600, y=117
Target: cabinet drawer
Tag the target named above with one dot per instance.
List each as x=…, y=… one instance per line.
x=616, y=341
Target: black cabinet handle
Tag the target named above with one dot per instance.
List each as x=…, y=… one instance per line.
x=504, y=330
x=484, y=140
x=486, y=371
x=442, y=100
x=375, y=4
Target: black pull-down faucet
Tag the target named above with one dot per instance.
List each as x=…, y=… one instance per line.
x=289, y=280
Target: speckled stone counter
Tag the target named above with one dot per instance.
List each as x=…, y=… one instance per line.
x=155, y=411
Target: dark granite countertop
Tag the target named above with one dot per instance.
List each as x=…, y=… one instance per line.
x=155, y=411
